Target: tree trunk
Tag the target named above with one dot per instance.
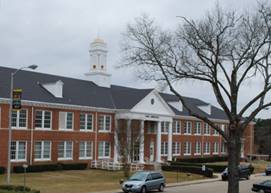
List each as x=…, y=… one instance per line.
x=234, y=145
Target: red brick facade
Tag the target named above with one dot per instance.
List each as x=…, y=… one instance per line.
x=55, y=136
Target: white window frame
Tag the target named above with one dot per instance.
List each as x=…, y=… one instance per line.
x=215, y=132
x=17, y=152
x=85, y=150
x=86, y=122
x=197, y=147
x=216, y=148
x=164, y=127
x=164, y=148
x=206, y=128
x=175, y=147
x=104, y=130
x=42, y=151
x=188, y=123
x=207, y=144
x=65, y=151
x=198, y=127
x=66, y=120
x=187, y=151
x=176, y=124
x=223, y=147
x=103, y=156
x=43, y=119
x=18, y=112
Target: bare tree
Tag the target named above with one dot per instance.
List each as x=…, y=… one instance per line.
x=128, y=139
x=224, y=49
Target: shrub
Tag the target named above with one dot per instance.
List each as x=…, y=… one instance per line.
x=17, y=188
x=51, y=167
x=215, y=168
x=203, y=159
x=2, y=170
x=191, y=169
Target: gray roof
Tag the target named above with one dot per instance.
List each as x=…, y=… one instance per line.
x=86, y=93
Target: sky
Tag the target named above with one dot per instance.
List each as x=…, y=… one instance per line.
x=56, y=35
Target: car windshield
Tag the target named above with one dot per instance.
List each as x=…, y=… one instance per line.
x=269, y=166
x=139, y=176
x=267, y=183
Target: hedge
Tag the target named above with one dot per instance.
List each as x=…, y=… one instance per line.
x=203, y=159
x=18, y=188
x=215, y=168
x=2, y=170
x=51, y=167
x=191, y=169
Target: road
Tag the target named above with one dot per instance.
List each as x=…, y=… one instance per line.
x=217, y=187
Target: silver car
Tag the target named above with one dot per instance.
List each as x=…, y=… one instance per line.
x=143, y=182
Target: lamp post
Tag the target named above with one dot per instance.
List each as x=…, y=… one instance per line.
x=33, y=67
x=25, y=166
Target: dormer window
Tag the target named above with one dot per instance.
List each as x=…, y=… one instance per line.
x=55, y=88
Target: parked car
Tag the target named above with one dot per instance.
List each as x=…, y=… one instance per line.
x=244, y=172
x=263, y=187
x=268, y=170
x=142, y=182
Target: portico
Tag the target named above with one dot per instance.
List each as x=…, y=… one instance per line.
x=147, y=133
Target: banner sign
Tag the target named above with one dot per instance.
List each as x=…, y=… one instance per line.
x=16, y=99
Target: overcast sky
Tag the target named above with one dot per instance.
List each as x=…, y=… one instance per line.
x=55, y=34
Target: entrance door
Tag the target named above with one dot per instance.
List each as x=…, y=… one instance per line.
x=136, y=152
x=151, y=151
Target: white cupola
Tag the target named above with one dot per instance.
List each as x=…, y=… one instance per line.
x=98, y=68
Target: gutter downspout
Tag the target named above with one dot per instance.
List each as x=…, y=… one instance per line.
x=32, y=136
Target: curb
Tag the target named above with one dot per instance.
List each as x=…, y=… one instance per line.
x=192, y=183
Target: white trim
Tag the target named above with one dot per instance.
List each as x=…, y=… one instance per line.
x=42, y=151
x=103, y=156
x=85, y=150
x=17, y=151
x=17, y=127
x=86, y=122
x=64, y=151
x=42, y=119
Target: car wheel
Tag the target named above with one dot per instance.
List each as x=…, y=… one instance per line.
x=161, y=188
x=143, y=189
x=266, y=173
x=247, y=177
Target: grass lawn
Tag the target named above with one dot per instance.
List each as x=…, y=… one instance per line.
x=81, y=181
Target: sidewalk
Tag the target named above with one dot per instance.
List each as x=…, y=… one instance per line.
x=177, y=184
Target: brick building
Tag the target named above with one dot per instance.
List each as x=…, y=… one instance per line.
x=74, y=120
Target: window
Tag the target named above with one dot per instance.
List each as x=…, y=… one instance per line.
x=164, y=148
x=187, y=148
x=152, y=128
x=216, y=148
x=18, y=151
x=187, y=128
x=207, y=148
x=206, y=129
x=104, y=149
x=104, y=123
x=19, y=119
x=197, y=128
x=215, y=132
x=65, y=120
x=198, y=148
x=43, y=119
x=43, y=150
x=85, y=150
x=65, y=150
x=176, y=127
x=86, y=122
x=164, y=127
x=223, y=147
x=176, y=148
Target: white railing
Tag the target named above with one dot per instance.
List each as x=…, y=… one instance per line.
x=110, y=165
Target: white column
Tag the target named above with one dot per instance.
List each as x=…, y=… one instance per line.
x=116, y=142
x=158, y=142
x=169, y=155
x=141, y=145
x=129, y=140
